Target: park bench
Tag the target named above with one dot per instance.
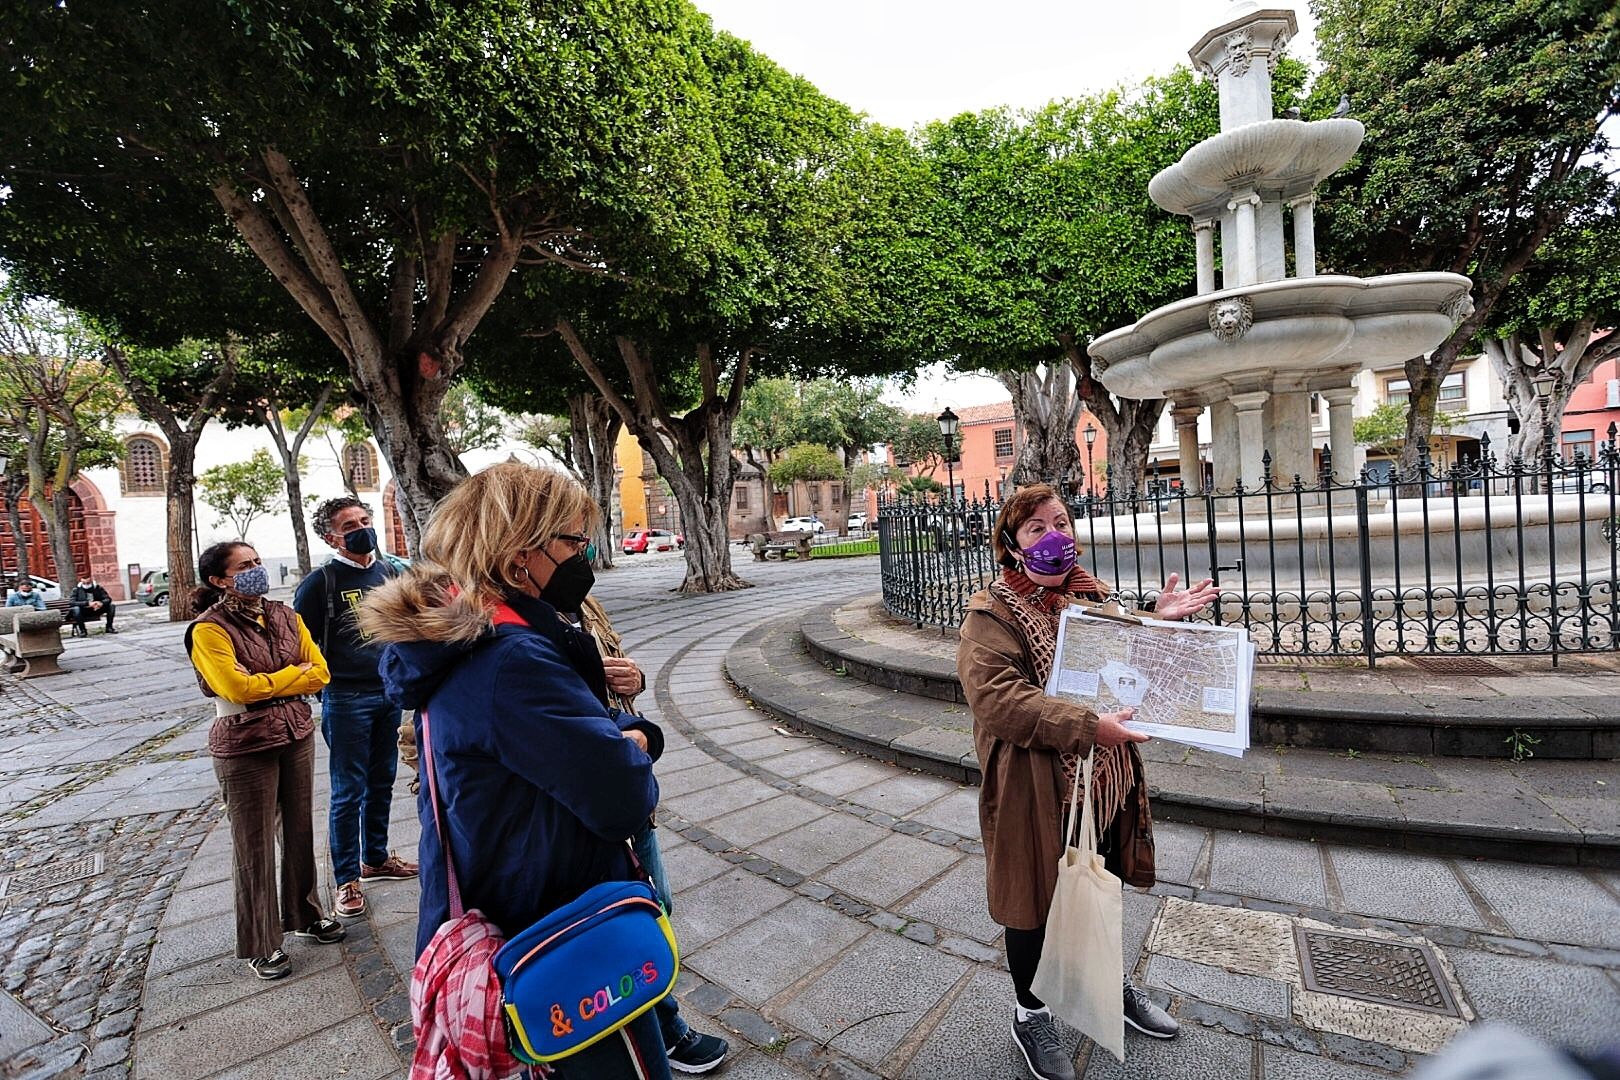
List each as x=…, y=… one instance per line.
x=30, y=641
x=779, y=544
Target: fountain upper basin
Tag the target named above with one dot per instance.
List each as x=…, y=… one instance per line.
x=1287, y=156
x=1295, y=326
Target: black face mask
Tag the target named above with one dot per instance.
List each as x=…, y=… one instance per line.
x=570, y=583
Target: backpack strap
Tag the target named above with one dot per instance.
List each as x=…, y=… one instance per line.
x=456, y=909
x=329, y=587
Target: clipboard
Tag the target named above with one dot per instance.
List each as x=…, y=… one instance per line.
x=1110, y=609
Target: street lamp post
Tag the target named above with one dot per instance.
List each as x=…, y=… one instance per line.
x=949, y=425
x=1544, y=381
x=1091, y=472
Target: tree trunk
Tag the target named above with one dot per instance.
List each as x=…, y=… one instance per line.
x=269, y=415
x=764, y=470
x=183, y=440
x=1130, y=437
x=403, y=362
x=1046, y=410
x=594, y=454
x=692, y=453
x=1424, y=378
x=14, y=496
x=181, y=526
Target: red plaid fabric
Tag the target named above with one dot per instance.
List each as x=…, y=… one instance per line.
x=456, y=1006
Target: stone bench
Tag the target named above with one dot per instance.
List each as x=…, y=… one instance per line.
x=30, y=641
x=779, y=544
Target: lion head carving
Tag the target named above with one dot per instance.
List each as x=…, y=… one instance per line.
x=1231, y=318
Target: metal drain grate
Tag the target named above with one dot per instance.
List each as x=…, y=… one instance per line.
x=1372, y=969
x=51, y=875
x=1454, y=665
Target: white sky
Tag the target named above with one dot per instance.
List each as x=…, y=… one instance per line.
x=906, y=62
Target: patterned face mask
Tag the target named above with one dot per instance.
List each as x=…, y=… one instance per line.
x=254, y=581
x=1053, y=554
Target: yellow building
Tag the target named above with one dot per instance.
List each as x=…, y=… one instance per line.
x=632, y=488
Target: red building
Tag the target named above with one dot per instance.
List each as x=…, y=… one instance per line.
x=1593, y=406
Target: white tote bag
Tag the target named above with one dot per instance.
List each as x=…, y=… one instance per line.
x=1081, y=974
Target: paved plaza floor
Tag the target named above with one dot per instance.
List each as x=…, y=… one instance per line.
x=830, y=908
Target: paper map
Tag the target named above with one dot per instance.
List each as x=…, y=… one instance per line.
x=1189, y=682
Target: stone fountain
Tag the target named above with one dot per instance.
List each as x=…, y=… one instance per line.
x=1256, y=347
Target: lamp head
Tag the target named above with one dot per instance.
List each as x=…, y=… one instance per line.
x=1543, y=380
x=1091, y=434
x=949, y=425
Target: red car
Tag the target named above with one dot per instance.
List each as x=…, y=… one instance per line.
x=641, y=541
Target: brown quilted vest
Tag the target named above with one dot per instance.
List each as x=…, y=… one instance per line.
x=275, y=645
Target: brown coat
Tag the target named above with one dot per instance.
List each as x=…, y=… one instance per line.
x=1019, y=732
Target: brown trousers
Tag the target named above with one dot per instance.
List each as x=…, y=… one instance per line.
x=259, y=790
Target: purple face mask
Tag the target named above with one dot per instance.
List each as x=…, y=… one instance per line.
x=1051, y=555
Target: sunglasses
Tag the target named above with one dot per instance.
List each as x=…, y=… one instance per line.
x=583, y=543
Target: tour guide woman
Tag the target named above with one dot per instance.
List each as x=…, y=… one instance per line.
x=255, y=659
x=1029, y=745
x=540, y=784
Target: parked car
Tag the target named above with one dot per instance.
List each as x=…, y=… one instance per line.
x=857, y=521
x=810, y=524
x=641, y=541
x=153, y=588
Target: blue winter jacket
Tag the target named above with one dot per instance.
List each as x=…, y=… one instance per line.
x=539, y=787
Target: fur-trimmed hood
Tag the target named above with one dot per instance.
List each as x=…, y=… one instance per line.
x=428, y=624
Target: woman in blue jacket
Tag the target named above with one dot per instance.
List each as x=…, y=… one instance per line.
x=540, y=784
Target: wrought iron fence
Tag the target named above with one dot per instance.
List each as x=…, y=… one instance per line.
x=1480, y=557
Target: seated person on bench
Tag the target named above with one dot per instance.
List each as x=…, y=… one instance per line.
x=90, y=601
x=25, y=596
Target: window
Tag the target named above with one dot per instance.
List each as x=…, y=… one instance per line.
x=1004, y=444
x=837, y=492
x=742, y=499
x=815, y=496
x=360, y=463
x=1578, y=443
x=1453, y=391
x=144, y=466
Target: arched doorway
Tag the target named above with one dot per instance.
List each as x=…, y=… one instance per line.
x=90, y=534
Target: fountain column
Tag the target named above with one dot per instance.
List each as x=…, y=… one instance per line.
x=1251, y=435
x=1204, y=237
x=1248, y=257
x=1223, y=448
x=1304, y=209
x=1289, y=431
x=1341, y=433
x=1192, y=468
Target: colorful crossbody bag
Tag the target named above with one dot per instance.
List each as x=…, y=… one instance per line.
x=582, y=972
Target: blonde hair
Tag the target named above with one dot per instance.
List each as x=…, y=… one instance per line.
x=468, y=553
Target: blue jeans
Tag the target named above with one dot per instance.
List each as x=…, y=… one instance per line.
x=670, y=1022
x=360, y=729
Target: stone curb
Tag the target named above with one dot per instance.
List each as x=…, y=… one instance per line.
x=1497, y=825
x=1568, y=728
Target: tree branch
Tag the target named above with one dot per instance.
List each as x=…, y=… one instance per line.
x=261, y=237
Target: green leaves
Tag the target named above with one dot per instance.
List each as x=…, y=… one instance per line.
x=242, y=491
x=805, y=461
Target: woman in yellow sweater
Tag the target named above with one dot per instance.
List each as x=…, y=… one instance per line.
x=256, y=660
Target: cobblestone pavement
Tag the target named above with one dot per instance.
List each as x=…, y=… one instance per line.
x=830, y=908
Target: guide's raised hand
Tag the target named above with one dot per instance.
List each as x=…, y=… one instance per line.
x=1174, y=605
x=1111, y=729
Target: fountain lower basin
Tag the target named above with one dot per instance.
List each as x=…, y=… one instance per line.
x=1293, y=327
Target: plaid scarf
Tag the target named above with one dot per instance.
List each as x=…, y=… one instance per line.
x=1038, y=610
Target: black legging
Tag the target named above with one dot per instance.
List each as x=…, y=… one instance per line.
x=1024, y=946
x=1023, y=957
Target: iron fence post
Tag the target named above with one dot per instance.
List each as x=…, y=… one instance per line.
x=1364, y=553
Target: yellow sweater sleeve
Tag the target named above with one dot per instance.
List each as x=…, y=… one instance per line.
x=215, y=660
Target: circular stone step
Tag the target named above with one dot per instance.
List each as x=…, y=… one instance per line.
x=1544, y=812
x=1344, y=706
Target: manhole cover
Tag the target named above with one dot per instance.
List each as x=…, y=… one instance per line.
x=1372, y=969
x=51, y=875
x=1454, y=665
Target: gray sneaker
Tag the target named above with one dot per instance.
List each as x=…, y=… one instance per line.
x=1038, y=1040
x=1146, y=1017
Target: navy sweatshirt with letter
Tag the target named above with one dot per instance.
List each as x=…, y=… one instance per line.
x=353, y=661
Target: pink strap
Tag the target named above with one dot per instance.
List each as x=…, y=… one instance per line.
x=456, y=909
